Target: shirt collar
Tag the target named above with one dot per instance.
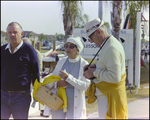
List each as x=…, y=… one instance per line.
x=104, y=41
x=17, y=48
x=74, y=60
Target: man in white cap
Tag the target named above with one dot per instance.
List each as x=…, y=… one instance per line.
x=109, y=72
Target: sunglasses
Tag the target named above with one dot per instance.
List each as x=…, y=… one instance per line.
x=90, y=37
x=71, y=46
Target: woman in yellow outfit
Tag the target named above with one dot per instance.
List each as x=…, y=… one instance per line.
x=109, y=85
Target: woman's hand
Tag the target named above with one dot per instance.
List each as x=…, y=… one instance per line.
x=62, y=83
x=63, y=74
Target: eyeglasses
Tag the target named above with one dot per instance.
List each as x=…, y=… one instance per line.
x=71, y=46
x=90, y=37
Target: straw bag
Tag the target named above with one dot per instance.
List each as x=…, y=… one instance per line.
x=49, y=99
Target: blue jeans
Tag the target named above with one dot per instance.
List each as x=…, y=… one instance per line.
x=16, y=104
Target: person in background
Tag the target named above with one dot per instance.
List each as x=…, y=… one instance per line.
x=143, y=50
x=27, y=40
x=109, y=72
x=146, y=49
x=19, y=65
x=70, y=69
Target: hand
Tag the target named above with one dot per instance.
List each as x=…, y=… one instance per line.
x=89, y=73
x=84, y=67
x=62, y=83
x=63, y=74
x=91, y=66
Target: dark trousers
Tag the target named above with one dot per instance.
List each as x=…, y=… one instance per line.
x=16, y=104
x=145, y=57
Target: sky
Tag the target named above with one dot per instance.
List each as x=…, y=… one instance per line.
x=46, y=16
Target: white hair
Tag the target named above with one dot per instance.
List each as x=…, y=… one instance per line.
x=103, y=28
x=27, y=40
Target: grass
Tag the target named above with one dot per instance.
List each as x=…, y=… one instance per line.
x=143, y=91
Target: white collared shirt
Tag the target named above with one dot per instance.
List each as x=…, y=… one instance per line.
x=16, y=49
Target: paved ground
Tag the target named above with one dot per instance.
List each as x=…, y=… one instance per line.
x=138, y=109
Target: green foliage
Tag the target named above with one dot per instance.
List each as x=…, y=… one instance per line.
x=72, y=11
x=107, y=25
x=59, y=36
x=31, y=35
x=72, y=16
x=133, y=7
x=4, y=34
x=42, y=37
x=80, y=21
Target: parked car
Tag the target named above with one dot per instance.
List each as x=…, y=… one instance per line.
x=46, y=48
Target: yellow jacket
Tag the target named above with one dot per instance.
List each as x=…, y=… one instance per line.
x=116, y=97
x=61, y=93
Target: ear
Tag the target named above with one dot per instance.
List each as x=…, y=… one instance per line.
x=98, y=30
x=6, y=34
x=22, y=34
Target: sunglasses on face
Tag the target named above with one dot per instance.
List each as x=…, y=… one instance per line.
x=90, y=37
x=71, y=46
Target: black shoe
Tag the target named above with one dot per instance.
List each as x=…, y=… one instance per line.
x=41, y=114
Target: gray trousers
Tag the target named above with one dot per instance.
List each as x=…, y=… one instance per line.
x=69, y=114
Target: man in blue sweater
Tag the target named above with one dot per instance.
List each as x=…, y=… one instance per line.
x=19, y=67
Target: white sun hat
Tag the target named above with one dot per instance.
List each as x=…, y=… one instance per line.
x=77, y=42
x=92, y=26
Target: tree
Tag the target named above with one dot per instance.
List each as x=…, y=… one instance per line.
x=133, y=7
x=6, y=38
x=42, y=37
x=62, y=36
x=107, y=25
x=80, y=22
x=71, y=13
x=116, y=18
x=31, y=35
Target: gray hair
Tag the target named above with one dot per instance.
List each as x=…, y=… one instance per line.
x=14, y=23
x=103, y=28
x=27, y=40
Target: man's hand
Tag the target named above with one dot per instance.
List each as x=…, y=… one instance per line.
x=91, y=66
x=89, y=73
x=62, y=83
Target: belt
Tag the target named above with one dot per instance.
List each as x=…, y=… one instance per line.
x=17, y=92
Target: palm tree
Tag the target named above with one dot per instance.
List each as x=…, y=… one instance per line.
x=41, y=37
x=116, y=18
x=107, y=25
x=71, y=12
x=80, y=22
x=134, y=7
x=31, y=35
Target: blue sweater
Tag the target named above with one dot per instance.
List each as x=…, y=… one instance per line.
x=19, y=69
